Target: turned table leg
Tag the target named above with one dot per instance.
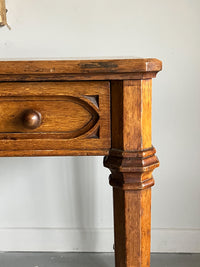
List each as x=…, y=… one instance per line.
x=131, y=161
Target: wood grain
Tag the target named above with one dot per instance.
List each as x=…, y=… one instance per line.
x=135, y=225
x=74, y=116
x=131, y=161
x=107, y=69
x=71, y=116
x=132, y=130
x=52, y=152
x=77, y=117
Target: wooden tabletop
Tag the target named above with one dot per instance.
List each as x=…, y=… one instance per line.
x=98, y=69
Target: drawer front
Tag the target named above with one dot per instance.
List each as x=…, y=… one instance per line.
x=71, y=116
x=56, y=117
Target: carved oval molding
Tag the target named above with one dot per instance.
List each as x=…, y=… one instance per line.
x=68, y=117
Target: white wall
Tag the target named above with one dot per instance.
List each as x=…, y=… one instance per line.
x=66, y=203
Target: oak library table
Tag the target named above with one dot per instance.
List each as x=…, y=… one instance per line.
x=89, y=107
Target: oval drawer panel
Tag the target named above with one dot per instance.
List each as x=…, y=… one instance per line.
x=54, y=118
x=70, y=115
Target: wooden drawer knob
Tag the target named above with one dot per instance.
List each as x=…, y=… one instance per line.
x=31, y=119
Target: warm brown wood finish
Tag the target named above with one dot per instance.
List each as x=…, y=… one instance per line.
x=71, y=116
x=70, y=70
x=64, y=108
x=131, y=161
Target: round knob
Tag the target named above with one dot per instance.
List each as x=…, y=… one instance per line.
x=31, y=119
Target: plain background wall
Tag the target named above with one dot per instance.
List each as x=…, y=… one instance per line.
x=66, y=203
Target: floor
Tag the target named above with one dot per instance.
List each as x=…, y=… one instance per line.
x=90, y=260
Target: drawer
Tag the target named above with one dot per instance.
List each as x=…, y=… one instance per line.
x=71, y=116
x=55, y=117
